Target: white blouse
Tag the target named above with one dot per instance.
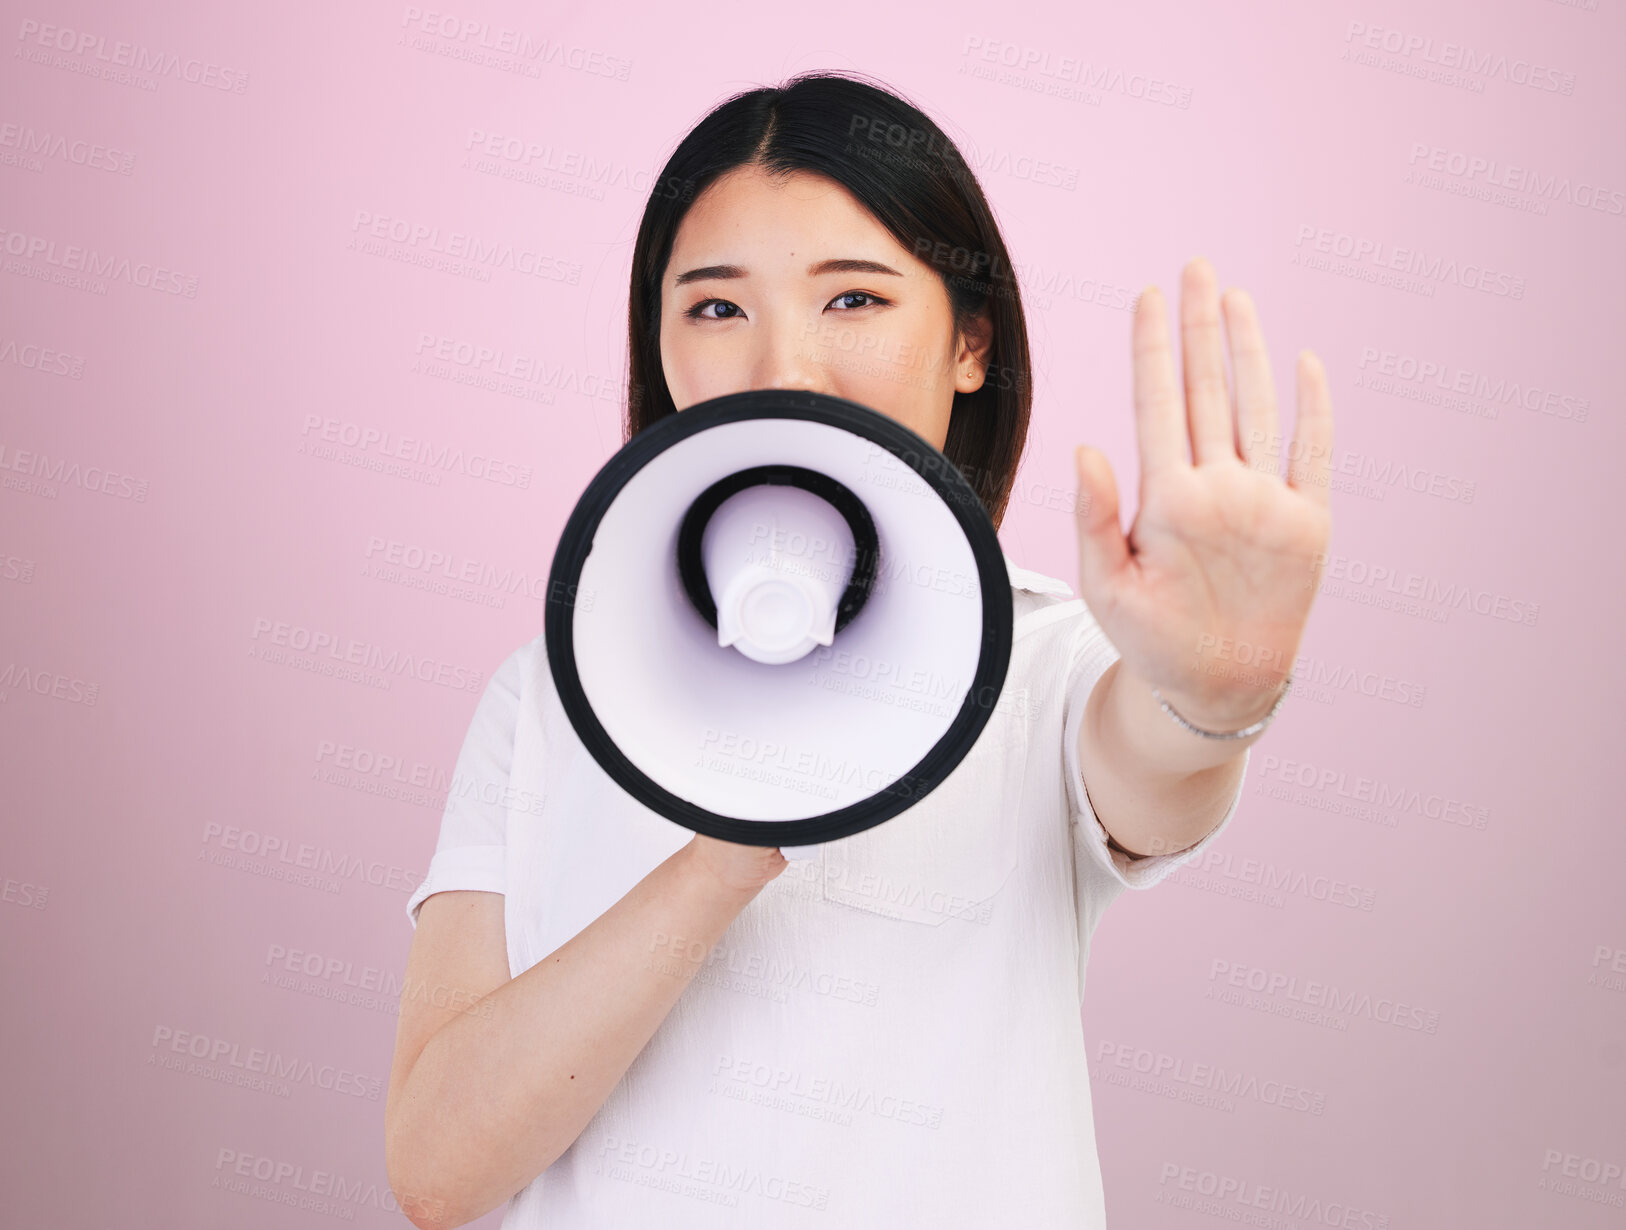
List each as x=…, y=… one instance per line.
x=889, y=1034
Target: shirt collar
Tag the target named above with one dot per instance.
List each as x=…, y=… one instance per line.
x=1037, y=582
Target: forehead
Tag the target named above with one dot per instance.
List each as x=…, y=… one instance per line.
x=772, y=219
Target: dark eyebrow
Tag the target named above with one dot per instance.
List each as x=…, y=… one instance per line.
x=850, y=266
x=835, y=265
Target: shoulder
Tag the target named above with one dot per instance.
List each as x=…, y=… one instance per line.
x=510, y=684
x=1041, y=602
x=1027, y=581
x=1054, y=632
x=522, y=664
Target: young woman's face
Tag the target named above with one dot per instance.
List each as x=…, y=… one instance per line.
x=765, y=290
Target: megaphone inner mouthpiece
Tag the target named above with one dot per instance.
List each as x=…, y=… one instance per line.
x=778, y=559
x=775, y=616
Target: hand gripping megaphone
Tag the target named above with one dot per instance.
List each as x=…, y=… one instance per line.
x=778, y=618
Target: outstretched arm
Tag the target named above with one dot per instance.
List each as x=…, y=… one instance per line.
x=1206, y=598
x=1155, y=787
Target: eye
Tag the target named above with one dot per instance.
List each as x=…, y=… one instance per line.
x=874, y=300
x=698, y=311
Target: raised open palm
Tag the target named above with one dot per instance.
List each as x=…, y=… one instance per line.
x=1208, y=595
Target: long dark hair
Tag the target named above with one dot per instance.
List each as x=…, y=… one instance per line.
x=898, y=164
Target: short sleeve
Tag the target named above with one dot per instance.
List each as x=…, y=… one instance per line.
x=471, y=852
x=1091, y=655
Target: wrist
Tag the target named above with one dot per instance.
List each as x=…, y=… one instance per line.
x=726, y=871
x=1223, y=713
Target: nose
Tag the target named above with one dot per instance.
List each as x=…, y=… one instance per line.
x=786, y=359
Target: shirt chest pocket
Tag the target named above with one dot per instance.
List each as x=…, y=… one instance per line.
x=949, y=855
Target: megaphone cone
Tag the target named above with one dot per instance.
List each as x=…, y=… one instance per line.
x=778, y=618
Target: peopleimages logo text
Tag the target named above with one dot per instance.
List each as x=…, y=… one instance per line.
x=1377, y=254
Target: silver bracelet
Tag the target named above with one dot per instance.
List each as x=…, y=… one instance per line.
x=1233, y=734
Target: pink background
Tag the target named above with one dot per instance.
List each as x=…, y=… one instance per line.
x=143, y=722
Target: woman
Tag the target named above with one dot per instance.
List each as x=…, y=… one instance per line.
x=616, y=1022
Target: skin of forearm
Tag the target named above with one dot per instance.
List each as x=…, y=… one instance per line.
x=1156, y=787
x=499, y=1094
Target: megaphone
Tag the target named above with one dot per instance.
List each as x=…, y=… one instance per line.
x=778, y=618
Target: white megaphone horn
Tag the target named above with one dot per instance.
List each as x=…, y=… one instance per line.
x=778, y=618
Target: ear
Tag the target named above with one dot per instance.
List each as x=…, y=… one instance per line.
x=971, y=357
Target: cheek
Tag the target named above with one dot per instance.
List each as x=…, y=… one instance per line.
x=882, y=354
x=924, y=411
x=697, y=369
x=677, y=361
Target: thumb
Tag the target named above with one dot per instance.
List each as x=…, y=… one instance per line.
x=1102, y=547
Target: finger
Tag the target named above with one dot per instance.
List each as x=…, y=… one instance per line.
x=1208, y=404
x=1102, y=547
x=1160, y=423
x=1258, y=434
x=1309, y=461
